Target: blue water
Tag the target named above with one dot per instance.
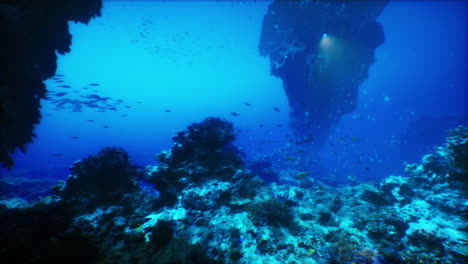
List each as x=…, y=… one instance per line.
x=200, y=59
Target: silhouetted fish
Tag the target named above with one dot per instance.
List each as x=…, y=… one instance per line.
x=247, y=104
x=123, y=115
x=90, y=121
x=74, y=137
x=61, y=94
x=276, y=109
x=59, y=81
x=127, y=106
x=139, y=102
x=59, y=75
x=168, y=110
x=94, y=84
x=105, y=127
x=65, y=86
x=234, y=114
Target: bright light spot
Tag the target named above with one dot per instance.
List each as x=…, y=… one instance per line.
x=387, y=99
x=324, y=35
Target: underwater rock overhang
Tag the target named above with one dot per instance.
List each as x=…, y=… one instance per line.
x=322, y=50
x=32, y=32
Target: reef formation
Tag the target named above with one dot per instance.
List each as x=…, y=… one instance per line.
x=209, y=209
x=322, y=50
x=32, y=32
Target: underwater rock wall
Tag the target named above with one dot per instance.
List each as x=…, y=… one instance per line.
x=234, y=217
x=322, y=50
x=32, y=32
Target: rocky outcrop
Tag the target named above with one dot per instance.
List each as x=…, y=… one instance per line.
x=32, y=32
x=322, y=50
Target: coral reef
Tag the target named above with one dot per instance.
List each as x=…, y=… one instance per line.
x=262, y=166
x=236, y=218
x=322, y=50
x=25, y=188
x=270, y=212
x=32, y=32
x=202, y=152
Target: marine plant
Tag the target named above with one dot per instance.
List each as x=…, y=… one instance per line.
x=105, y=177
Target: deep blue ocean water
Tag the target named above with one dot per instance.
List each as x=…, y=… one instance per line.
x=175, y=63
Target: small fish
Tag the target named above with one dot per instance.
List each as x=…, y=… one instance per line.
x=65, y=86
x=168, y=110
x=74, y=137
x=59, y=81
x=90, y=121
x=127, y=106
x=61, y=94
x=59, y=75
x=247, y=104
x=291, y=158
x=94, y=84
x=234, y=114
x=261, y=125
x=139, y=102
x=279, y=125
x=105, y=127
x=302, y=174
x=123, y=115
x=276, y=109
x=355, y=138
